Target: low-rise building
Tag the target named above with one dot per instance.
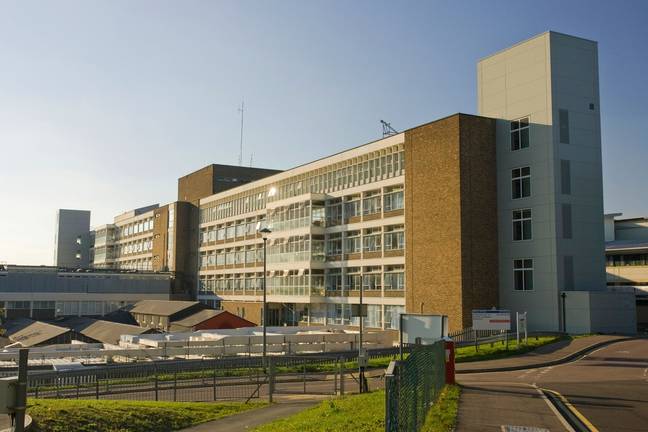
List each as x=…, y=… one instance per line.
x=626, y=250
x=45, y=293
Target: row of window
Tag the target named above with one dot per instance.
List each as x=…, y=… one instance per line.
x=311, y=248
x=378, y=316
x=135, y=228
x=380, y=165
x=620, y=260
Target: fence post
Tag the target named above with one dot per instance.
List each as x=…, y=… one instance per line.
x=77, y=383
x=175, y=385
x=391, y=397
x=341, y=377
x=155, y=375
x=214, y=380
x=58, y=385
x=304, y=376
x=97, y=388
x=271, y=378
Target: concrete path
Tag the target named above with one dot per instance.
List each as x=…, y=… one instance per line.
x=250, y=419
x=544, y=354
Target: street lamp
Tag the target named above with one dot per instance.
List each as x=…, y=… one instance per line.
x=265, y=231
x=563, y=295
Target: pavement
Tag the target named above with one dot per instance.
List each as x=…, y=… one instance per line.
x=250, y=419
x=608, y=387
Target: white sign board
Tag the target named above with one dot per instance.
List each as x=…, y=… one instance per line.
x=491, y=319
x=429, y=328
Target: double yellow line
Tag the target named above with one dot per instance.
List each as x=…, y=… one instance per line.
x=572, y=409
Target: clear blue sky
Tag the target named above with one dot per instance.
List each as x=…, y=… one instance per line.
x=104, y=104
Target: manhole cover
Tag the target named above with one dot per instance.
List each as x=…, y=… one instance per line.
x=509, y=428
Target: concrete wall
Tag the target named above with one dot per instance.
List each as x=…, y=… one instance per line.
x=600, y=312
x=535, y=79
x=70, y=226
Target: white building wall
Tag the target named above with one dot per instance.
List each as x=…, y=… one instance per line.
x=521, y=82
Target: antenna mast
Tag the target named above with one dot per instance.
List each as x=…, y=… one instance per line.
x=388, y=130
x=240, y=158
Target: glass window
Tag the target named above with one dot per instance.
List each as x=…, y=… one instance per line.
x=523, y=274
x=395, y=281
x=392, y=316
x=371, y=204
x=394, y=201
x=522, y=224
x=372, y=240
x=521, y=182
x=394, y=237
x=520, y=134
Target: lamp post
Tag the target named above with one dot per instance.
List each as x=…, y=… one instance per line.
x=563, y=295
x=264, y=233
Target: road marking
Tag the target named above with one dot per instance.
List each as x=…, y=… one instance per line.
x=567, y=426
x=573, y=409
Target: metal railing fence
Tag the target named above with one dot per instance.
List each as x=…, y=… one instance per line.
x=412, y=385
x=241, y=378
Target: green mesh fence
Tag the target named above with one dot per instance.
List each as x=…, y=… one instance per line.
x=412, y=386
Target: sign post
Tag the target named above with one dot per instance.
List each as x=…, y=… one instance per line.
x=491, y=319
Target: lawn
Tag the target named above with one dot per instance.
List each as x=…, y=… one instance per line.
x=362, y=413
x=61, y=415
x=497, y=350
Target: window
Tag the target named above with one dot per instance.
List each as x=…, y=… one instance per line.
x=521, y=182
x=563, y=121
x=567, y=221
x=371, y=281
x=371, y=240
x=352, y=208
x=353, y=279
x=393, y=200
x=229, y=232
x=565, y=177
x=352, y=242
x=520, y=134
x=523, y=274
x=522, y=224
x=395, y=280
x=371, y=203
x=334, y=280
x=392, y=316
x=394, y=237
x=220, y=234
x=334, y=244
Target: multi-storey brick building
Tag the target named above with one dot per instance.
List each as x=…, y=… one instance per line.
x=503, y=209
x=360, y=218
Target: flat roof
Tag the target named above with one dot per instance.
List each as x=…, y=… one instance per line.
x=625, y=245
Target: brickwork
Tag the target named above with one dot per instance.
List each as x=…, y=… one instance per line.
x=450, y=217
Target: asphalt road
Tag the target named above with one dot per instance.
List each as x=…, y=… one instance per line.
x=608, y=386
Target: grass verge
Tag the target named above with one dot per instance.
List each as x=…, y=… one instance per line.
x=442, y=417
x=363, y=413
x=498, y=350
x=61, y=415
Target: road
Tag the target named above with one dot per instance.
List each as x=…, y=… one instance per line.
x=609, y=387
